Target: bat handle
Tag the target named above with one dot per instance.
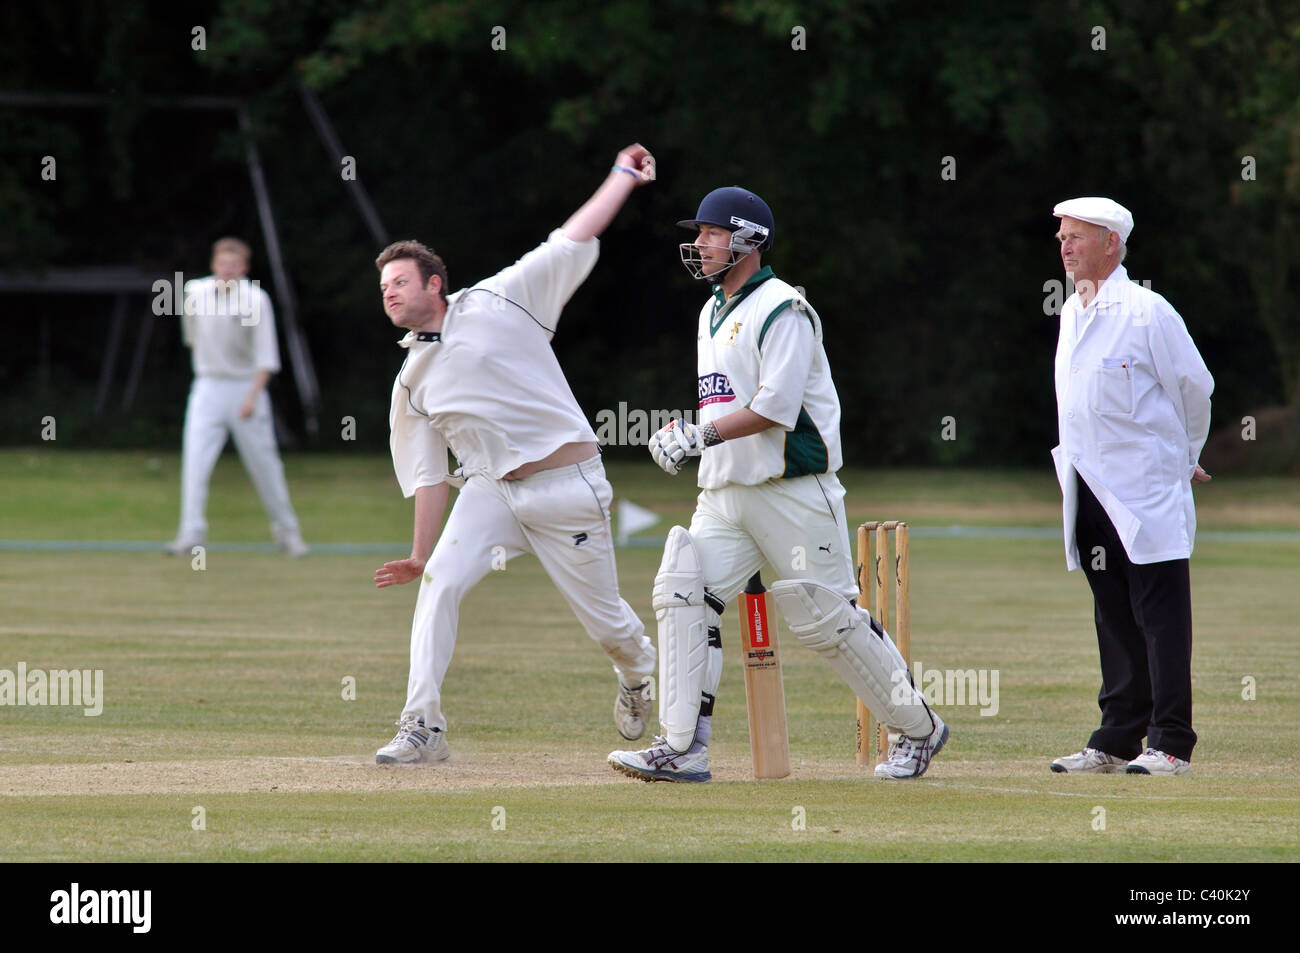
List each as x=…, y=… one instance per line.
x=755, y=584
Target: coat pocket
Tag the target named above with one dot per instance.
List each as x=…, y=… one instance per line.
x=1112, y=387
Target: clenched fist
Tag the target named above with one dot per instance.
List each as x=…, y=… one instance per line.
x=638, y=158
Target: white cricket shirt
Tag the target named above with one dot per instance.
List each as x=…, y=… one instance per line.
x=229, y=328
x=488, y=386
x=1133, y=409
x=762, y=349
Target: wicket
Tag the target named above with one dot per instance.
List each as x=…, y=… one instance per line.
x=875, y=590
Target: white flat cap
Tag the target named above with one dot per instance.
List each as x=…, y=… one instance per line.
x=1098, y=211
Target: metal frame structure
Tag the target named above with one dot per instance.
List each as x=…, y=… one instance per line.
x=123, y=282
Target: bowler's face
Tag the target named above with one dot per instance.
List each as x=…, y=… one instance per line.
x=713, y=244
x=406, y=302
x=1083, y=249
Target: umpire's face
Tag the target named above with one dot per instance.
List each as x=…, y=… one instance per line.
x=407, y=302
x=1086, y=250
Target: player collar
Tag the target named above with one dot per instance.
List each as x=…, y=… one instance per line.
x=722, y=304
x=421, y=337
x=755, y=280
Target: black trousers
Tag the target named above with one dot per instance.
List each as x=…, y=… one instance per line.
x=1144, y=633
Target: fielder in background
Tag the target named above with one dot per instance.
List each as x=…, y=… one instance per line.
x=229, y=327
x=769, y=448
x=1133, y=407
x=480, y=379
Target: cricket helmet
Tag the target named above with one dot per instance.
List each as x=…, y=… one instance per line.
x=739, y=211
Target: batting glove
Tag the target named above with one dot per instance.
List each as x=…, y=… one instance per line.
x=673, y=444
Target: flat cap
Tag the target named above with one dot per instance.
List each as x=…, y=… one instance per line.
x=1098, y=211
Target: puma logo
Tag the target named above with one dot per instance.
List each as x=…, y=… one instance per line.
x=827, y=548
x=685, y=598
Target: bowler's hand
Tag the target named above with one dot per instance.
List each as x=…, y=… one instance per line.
x=399, y=572
x=671, y=445
x=248, y=406
x=638, y=157
x=1200, y=476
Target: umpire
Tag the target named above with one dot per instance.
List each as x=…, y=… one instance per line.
x=1133, y=407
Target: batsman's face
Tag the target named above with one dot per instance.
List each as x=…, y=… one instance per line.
x=714, y=246
x=407, y=302
x=229, y=266
x=1083, y=250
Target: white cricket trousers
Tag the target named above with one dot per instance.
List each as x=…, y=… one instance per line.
x=562, y=517
x=210, y=416
x=797, y=526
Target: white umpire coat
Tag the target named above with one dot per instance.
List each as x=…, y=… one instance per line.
x=1133, y=408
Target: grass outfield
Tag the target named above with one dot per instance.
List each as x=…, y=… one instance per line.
x=224, y=690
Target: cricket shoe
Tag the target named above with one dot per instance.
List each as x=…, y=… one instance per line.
x=1152, y=761
x=1089, y=761
x=631, y=708
x=909, y=757
x=291, y=543
x=180, y=546
x=414, y=743
x=661, y=763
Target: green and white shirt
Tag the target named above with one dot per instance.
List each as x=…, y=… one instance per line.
x=762, y=349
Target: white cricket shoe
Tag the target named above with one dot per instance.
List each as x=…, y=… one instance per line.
x=909, y=757
x=661, y=763
x=414, y=743
x=1089, y=761
x=291, y=543
x=1152, y=761
x=181, y=546
x=631, y=709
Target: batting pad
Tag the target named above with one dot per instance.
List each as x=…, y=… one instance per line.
x=683, y=639
x=864, y=655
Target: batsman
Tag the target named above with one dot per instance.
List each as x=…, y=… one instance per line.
x=769, y=447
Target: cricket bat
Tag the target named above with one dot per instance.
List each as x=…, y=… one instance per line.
x=769, y=742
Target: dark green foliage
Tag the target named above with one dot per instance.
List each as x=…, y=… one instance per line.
x=931, y=291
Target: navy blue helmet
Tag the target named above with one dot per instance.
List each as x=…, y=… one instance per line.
x=739, y=211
